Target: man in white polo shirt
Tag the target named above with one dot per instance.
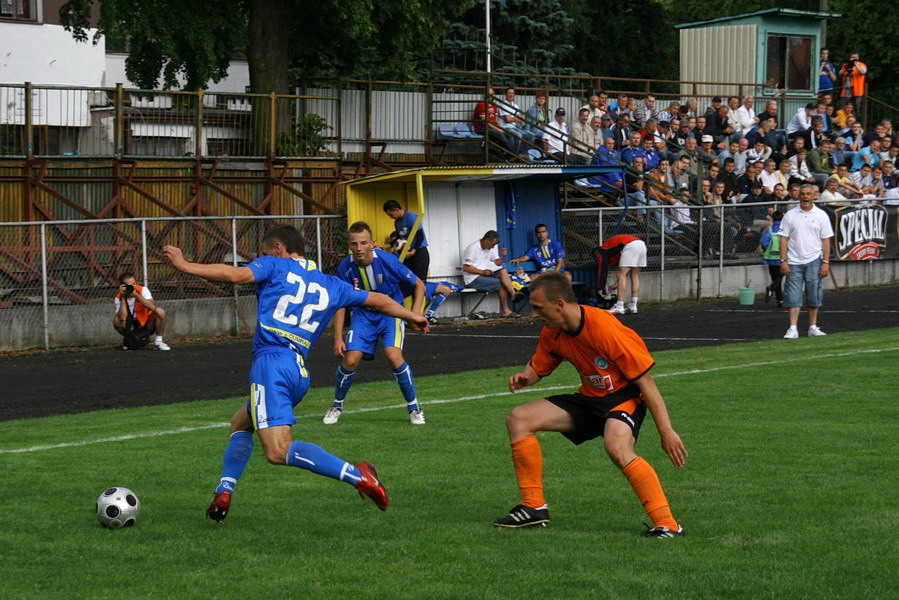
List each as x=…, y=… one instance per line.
x=482, y=269
x=805, y=235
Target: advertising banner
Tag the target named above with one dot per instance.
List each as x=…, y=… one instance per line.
x=865, y=232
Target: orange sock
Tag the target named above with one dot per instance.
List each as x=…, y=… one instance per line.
x=528, y=460
x=648, y=488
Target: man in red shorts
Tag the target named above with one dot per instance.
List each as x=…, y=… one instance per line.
x=616, y=389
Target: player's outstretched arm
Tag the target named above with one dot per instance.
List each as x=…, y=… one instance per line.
x=524, y=379
x=671, y=442
x=384, y=304
x=218, y=272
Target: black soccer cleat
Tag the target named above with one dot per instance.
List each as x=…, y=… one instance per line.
x=663, y=532
x=524, y=516
x=218, y=509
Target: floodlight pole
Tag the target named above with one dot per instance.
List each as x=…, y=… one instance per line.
x=487, y=13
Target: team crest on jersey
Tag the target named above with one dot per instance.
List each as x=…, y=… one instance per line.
x=357, y=284
x=600, y=362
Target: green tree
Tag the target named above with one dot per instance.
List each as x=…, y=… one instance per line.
x=283, y=40
x=527, y=36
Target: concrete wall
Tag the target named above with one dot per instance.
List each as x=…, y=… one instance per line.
x=91, y=325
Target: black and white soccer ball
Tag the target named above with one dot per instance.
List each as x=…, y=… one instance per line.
x=118, y=507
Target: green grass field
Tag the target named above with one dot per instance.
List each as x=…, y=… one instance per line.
x=789, y=492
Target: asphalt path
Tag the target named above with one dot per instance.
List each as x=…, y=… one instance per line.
x=36, y=384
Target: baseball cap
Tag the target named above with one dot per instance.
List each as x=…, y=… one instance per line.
x=560, y=111
x=606, y=117
x=717, y=99
x=755, y=185
x=707, y=138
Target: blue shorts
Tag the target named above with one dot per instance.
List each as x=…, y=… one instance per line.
x=278, y=382
x=485, y=283
x=804, y=276
x=365, y=332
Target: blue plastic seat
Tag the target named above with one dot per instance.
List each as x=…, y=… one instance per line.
x=445, y=131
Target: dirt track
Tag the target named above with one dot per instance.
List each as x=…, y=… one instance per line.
x=68, y=381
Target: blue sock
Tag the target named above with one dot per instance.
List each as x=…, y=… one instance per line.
x=343, y=381
x=313, y=458
x=435, y=304
x=235, y=459
x=403, y=374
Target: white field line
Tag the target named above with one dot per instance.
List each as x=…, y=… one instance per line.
x=535, y=389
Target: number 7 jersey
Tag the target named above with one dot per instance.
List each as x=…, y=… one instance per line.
x=296, y=303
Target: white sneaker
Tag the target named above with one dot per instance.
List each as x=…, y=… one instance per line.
x=160, y=345
x=125, y=348
x=814, y=331
x=416, y=417
x=631, y=308
x=332, y=415
x=617, y=310
x=792, y=334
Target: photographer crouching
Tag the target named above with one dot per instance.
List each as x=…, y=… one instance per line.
x=138, y=317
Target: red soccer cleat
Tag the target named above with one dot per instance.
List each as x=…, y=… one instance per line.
x=218, y=510
x=371, y=486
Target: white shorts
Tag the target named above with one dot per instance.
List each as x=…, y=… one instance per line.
x=633, y=254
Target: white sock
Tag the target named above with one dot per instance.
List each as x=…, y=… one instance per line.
x=634, y=300
x=158, y=338
x=620, y=304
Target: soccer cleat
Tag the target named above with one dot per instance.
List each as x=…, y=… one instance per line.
x=432, y=320
x=524, y=516
x=371, y=486
x=631, y=308
x=617, y=310
x=332, y=415
x=218, y=510
x=769, y=293
x=416, y=417
x=160, y=345
x=663, y=532
x=815, y=331
x=792, y=334
x=125, y=348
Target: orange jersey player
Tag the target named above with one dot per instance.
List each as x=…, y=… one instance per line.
x=616, y=390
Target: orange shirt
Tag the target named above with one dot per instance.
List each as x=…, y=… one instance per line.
x=607, y=355
x=141, y=312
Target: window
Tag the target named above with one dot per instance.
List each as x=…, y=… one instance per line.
x=20, y=10
x=789, y=62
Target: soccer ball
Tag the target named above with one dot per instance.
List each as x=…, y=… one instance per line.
x=398, y=245
x=117, y=507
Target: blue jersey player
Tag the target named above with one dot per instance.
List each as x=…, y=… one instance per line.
x=296, y=302
x=549, y=255
x=367, y=268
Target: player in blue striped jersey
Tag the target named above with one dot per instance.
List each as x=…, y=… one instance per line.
x=368, y=268
x=548, y=254
x=295, y=303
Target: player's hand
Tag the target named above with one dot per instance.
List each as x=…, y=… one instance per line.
x=825, y=269
x=674, y=447
x=421, y=323
x=784, y=267
x=174, y=255
x=339, y=348
x=517, y=381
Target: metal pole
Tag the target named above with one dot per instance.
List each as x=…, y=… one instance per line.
x=236, y=285
x=44, y=292
x=720, y=253
x=661, y=210
x=318, y=241
x=143, y=243
x=487, y=13
x=700, y=250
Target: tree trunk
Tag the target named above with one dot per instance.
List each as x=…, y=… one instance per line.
x=269, y=64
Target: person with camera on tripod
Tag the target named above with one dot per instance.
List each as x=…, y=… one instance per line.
x=138, y=317
x=854, y=73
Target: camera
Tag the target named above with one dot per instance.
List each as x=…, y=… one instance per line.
x=128, y=289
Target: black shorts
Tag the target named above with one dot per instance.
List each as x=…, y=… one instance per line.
x=590, y=414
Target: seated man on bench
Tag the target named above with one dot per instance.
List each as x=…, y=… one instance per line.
x=482, y=270
x=548, y=255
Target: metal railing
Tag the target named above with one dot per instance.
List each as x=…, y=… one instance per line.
x=52, y=264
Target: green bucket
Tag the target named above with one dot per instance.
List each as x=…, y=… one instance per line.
x=747, y=296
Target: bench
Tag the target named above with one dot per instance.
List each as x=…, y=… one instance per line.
x=449, y=133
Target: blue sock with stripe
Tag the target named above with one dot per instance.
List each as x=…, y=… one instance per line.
x=343, y=380
x=314, y=458
x=435, y=304
x=403, y=375
x=235, y=459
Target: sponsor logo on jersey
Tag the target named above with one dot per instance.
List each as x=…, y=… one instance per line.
x=602, y=382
